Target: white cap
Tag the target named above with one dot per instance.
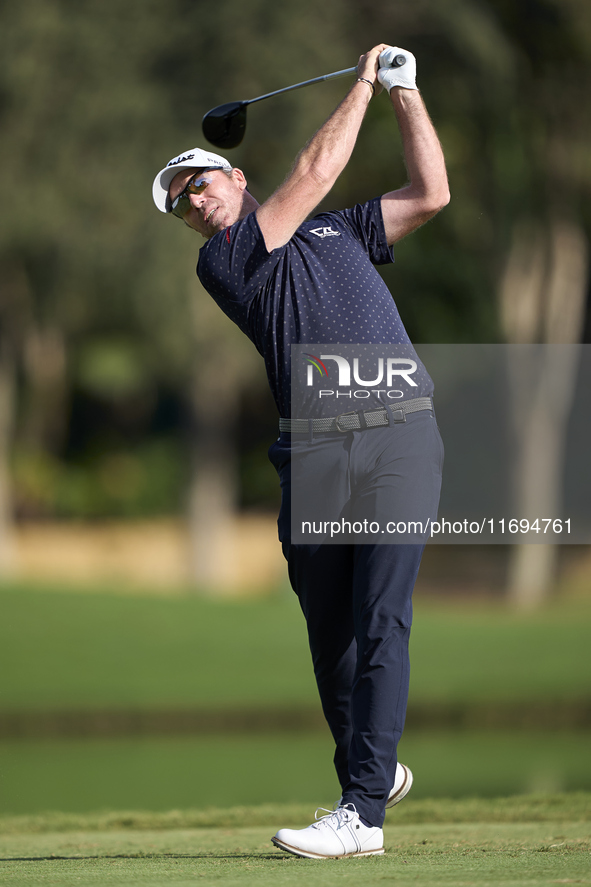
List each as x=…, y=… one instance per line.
x=195, y=158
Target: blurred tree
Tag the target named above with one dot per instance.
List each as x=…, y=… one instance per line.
x=6, y=419
x=78, y=99
x=507, y=84
x=86, y=88
x=96, y=96
x=76, y=112
x=270, y=46
x=545, y=281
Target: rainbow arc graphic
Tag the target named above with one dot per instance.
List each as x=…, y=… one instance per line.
x=314, y=361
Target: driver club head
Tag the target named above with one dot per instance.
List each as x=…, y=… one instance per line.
x=225, y=125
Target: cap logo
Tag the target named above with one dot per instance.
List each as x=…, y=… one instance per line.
x=180, y=160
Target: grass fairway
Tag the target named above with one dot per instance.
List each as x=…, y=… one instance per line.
x=482, y=849
x=166, y=773
x=60, y=650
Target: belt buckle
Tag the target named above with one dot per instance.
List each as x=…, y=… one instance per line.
x=344, y=430
x=398, y=415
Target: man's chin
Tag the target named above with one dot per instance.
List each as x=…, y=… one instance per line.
x=206, y=231
x=193, y=228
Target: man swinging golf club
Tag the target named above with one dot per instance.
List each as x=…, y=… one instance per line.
x=285, y=282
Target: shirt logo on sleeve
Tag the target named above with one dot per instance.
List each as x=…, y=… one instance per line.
x=325, y=232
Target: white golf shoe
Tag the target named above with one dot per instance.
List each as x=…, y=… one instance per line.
x=402, y=785
x=400, y=789
x=338, y=834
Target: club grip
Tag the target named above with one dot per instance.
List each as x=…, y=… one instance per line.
x=398, y=61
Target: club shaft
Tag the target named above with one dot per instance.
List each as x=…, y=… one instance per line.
x=268, y=95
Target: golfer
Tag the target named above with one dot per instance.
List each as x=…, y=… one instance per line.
x=287, y=280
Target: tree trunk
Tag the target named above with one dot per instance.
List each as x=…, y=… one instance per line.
x=6, y=422
x=43, y=422
x=212, y=493
x=542, y=300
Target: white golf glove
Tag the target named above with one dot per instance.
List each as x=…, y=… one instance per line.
x=402, y=75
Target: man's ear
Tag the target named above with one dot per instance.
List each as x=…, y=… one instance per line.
x=240, y=178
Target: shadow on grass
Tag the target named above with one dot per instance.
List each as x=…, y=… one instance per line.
x=55, y=858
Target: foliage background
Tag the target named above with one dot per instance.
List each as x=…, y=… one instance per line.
x=109, y=348
x=106, y=335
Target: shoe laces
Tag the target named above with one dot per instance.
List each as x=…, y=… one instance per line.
x=339, y=817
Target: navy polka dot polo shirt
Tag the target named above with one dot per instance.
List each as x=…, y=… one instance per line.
x=321, y=286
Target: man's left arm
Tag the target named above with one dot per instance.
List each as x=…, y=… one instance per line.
x=410, y=207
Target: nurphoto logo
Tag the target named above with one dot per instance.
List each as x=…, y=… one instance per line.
x=388, y=370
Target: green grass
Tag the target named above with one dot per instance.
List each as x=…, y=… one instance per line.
x=488, y=652
x=163, y=773
x=100, y=650
x=542, y=807
x=481, y=849
x=156, y=773
x=66, y=651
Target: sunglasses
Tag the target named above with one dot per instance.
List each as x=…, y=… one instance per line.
x=197, y=185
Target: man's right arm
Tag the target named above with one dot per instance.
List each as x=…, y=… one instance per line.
x=407, y=208
x=427, y=192
x=320, y=163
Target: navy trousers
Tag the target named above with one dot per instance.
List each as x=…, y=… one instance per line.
x=357, y=598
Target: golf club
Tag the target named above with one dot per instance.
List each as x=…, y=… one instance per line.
x=225, y=125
